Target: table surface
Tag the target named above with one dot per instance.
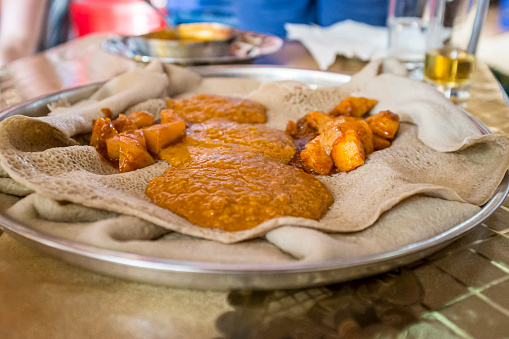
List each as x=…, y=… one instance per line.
x=459, y=292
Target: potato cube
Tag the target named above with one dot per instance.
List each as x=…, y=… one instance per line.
x=137, y=135
x=113, y=144
x=132, y=155
x=169, y=115
x=160, y=136
x=315, y=157
x=102, y=131
x=336, y=122
x=122, y=124
x=141, y=118
x=327, y=138
x=353, y=106
x=363, y=131
x=317, y=119
x=380, y=143
x=384, y=124
x=348, y=152
x=113, y=147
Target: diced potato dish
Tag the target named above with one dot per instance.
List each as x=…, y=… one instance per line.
x=344, y=138
x=133, y=140
x=327, y=143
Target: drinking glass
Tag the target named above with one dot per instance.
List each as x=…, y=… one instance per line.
x=453, y=34
x=407, y=21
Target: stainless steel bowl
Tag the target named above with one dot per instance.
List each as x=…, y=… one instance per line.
x=194, y=40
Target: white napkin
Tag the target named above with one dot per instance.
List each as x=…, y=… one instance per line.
x=348, y=38
x=494, y=50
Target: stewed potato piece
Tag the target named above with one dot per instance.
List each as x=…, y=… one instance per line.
x=380, y=143
x=141, y=118
x=122, y=124
x=137, y=135
x=315, y=157
x=113, y=144
x=353, y=106
x=317, y=119
x=336, y=122
x=385, y=124
x=348, y=152
x=113, y=147
x=160, y=136
x=102, y=131
x=327, y=138
x=132, y=154
x=363, y=131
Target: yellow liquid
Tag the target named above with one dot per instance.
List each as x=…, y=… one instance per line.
x=449, y=67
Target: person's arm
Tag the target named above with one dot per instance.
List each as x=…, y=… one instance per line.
x=20, y=28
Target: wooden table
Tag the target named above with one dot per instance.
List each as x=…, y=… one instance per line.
x=459, y=292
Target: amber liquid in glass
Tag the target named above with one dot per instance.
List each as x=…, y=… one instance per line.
x=449, y=67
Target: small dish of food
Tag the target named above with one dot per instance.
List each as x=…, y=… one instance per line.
x=194, y=43
x=193, y=40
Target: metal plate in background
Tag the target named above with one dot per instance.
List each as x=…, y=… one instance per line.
x=206, y=275
x=245, y=48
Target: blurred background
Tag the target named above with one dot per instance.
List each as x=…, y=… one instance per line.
x=64, y=20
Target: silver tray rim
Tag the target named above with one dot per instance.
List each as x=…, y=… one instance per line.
x=116, y=44
x=221, y=276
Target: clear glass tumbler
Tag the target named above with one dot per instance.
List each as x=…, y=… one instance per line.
x=407, y=21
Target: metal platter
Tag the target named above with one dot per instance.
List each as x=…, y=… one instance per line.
x=245, y=47
x=207, y=275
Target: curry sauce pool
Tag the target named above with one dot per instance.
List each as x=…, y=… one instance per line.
x=202, y=107
x=223, y=133
x=234, y=191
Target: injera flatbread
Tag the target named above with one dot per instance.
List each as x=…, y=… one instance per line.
x=396, y=228
x=48, y=163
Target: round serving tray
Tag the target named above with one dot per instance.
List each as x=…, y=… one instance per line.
x=207, y=275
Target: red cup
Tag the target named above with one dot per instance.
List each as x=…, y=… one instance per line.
x=129, y=17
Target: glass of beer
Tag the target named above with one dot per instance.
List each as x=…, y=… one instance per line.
x=453, y=34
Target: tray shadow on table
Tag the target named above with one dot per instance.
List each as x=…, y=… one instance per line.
x=455, y=293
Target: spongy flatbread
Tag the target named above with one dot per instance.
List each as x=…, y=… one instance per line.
x=404, y=225
x=410, y=166
x=117, y=94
